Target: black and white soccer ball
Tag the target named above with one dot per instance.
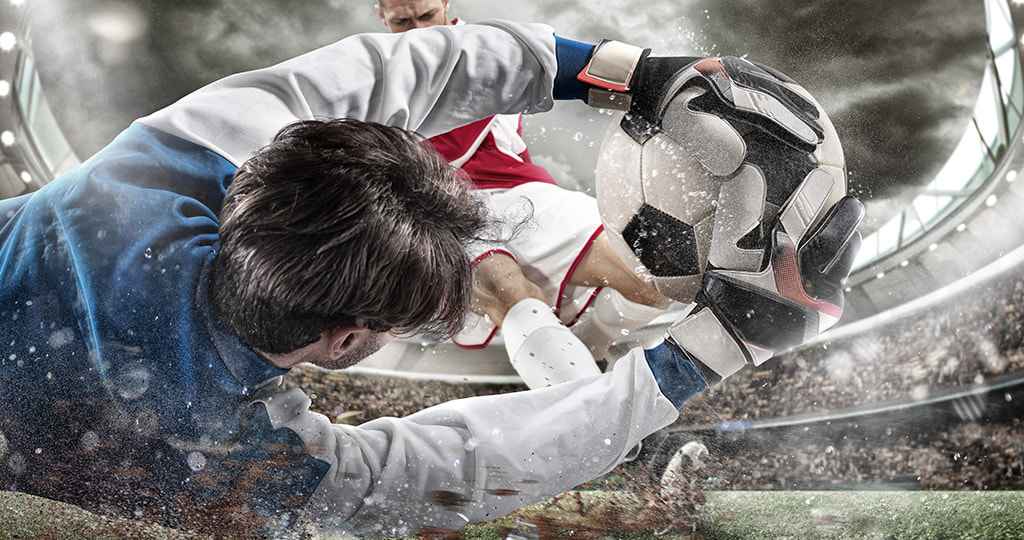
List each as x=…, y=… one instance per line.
x=700, y=186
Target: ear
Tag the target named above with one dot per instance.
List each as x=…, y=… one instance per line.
x=380, y=13
x=345, y=338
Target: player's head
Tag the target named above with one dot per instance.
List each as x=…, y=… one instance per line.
x=402, y=15
x=343, y=224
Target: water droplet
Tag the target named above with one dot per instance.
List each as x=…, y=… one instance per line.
x=607, y=442
x=90, y=440
x=133, y=382
x=149, y=253
x=17, y=463
x=196, y=461
x=61, y=338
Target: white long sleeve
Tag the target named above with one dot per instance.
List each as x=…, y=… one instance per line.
x=429, y=80
x=467, y=460
x=473, y=459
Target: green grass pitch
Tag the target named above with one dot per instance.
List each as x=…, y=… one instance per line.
x=766, y=515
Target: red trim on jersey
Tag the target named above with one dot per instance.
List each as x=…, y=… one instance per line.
x=490, y=252
x=572, y=270
x=476, y=261
x=476, y=151
x=482, y=345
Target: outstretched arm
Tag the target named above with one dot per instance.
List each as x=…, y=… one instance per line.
x=429, y=81
x=479, y=458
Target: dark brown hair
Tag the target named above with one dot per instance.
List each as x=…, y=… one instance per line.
x=339, y=222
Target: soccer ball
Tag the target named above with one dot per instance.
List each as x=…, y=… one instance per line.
x=702, y=185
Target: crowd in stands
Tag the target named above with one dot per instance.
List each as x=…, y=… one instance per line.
x=963, y=340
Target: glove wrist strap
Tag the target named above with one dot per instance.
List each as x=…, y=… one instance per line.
x=609, y=73
x=706, y=340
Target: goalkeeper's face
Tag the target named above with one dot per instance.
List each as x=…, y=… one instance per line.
x=402, y=15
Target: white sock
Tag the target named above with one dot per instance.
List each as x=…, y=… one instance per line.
x=542, y=350
x=610, y=318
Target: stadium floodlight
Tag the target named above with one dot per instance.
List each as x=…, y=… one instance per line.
x=7, y=138
x=5, y=88
x=7, y=41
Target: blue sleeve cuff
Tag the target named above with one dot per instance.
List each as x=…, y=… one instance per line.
x=572, y=57
x=677, y=377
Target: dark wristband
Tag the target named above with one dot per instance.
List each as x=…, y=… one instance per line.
x=678, y=377
x=572, y=57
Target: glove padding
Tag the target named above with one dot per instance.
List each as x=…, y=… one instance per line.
x=627, y=78
x=743, y=317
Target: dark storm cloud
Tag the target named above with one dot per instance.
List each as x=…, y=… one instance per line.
x=899, y=79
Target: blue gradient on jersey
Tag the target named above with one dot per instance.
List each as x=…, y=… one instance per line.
x=572, y=57
x=677, y=377
x=117, y=386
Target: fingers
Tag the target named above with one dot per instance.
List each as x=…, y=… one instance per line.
x=827, y=254
x=694, y=130
x=751, y=89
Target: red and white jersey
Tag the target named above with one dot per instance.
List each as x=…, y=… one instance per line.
x=491, y=151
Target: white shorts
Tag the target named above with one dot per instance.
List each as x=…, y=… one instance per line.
x=551, y=229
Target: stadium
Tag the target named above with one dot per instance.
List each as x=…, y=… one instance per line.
x=904, y=421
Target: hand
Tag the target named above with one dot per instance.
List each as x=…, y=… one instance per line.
x=774, y=278
x=743, y=317
x=627, y=78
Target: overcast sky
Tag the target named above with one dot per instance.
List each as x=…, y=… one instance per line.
x=898, y=78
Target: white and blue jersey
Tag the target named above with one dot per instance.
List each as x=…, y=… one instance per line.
x=116, y=380
x=119, y=391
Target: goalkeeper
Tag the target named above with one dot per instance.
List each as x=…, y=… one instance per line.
x=153, y=296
